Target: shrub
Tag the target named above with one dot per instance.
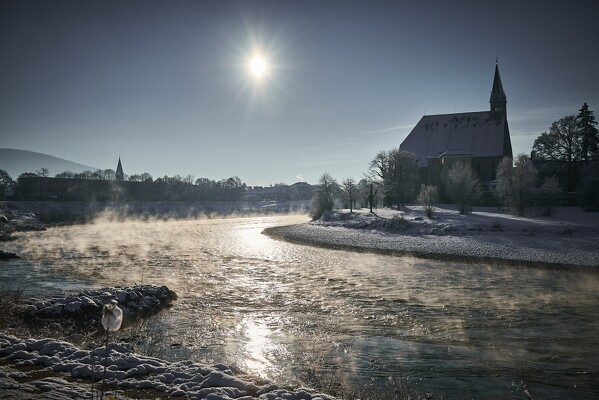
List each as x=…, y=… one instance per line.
x=396, y=224
x=428, y=199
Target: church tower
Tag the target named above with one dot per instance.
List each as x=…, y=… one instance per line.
x=498, y=101
x=120, y=176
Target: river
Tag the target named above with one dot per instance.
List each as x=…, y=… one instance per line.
x=282, y=310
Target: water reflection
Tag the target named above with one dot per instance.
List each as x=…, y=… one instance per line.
x=274, y=308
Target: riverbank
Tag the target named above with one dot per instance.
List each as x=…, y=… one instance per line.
x=567, y=240
x=47, y=366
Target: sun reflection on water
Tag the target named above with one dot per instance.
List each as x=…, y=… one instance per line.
x=258, y=346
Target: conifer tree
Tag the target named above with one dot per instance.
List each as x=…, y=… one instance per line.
x=585, y=121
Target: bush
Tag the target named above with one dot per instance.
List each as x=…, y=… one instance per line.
x=396, y=224
x=428, y=199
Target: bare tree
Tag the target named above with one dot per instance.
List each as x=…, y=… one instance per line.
x=65, y=174
x=549, y=192
x=6, y=183
x=43, y=172
x=463, y=186
x=146, y=177
x=107, y=174
x=135, y=178
x=350, y=191
x=398, y=172
x=564, y=142
x=324, y=196
x=517, y=182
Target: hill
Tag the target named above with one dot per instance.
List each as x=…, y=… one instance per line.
x=15, y=162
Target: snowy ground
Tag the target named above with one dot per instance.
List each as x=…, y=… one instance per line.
x=569, y=238
x=51, y=369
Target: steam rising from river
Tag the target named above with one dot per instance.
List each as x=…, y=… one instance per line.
x=273, y=307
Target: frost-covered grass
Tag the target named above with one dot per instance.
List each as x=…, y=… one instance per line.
x=569, y=238
x=448, y=219
x=10, y=301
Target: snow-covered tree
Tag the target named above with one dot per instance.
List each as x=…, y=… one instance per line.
x=517, y=182
x=463, y=186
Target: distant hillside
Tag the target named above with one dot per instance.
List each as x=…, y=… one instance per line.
x=15, y=162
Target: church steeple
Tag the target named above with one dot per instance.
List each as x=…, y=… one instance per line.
x=120, y=176
x=498, y=100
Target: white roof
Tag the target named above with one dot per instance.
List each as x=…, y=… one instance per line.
x=476, y=133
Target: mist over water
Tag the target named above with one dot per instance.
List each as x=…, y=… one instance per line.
x=274, y=308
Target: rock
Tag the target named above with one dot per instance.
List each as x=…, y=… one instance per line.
x=7, y=255
x=73, y=307
x=85, y=306
x=87, y=302
x=31, y=309
x=122, y=297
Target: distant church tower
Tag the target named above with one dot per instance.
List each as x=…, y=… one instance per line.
x=120, y=176
x=498, y=100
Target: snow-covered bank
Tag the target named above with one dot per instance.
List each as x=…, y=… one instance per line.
x=47, y=368
x=51, y=368
x=569, y=239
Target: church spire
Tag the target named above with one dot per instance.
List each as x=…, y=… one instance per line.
x=120, y=176
x=498, y=100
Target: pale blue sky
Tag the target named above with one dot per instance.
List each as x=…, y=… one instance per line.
x=164, y=85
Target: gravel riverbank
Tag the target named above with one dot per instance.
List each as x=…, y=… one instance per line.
x=484, y=237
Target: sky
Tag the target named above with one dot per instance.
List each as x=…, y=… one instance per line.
x=165, y=85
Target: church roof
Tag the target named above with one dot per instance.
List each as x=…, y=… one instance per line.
x=478, y=133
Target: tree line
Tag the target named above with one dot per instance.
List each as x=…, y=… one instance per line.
x=565, y=159
x=178, y=188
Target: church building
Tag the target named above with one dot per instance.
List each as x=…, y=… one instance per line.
x=480, y=138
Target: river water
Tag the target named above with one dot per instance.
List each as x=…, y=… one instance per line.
x=280, y=310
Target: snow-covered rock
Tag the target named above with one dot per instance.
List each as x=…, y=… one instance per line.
x=137, y=301
x=125, y=370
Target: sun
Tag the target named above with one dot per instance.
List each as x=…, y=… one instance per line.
x=258, y=67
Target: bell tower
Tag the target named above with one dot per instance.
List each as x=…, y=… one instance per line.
x=498, y=100
x=120, y=176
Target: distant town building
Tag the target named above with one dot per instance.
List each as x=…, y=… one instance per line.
x=479, y=138
x=120, y=176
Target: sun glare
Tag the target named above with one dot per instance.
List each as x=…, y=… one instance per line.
x=258, y=67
